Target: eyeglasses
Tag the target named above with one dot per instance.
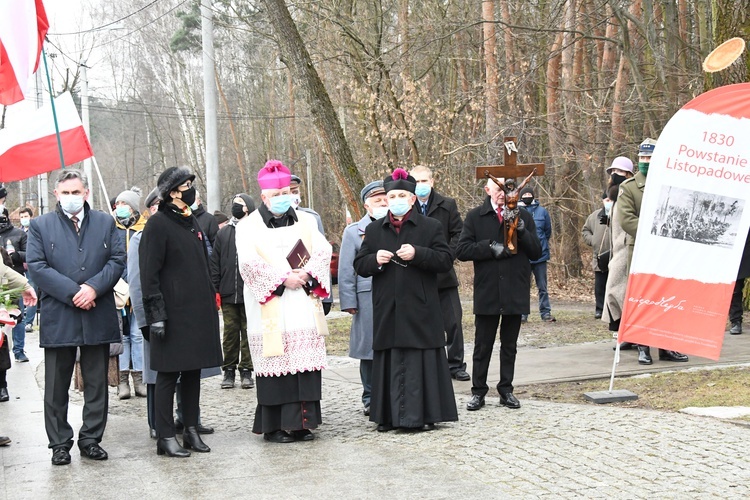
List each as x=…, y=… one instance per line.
x=399, y=262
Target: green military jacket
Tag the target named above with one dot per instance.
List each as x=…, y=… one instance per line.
x=628, y=208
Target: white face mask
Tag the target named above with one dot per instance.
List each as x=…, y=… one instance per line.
x=608, y=207
x=2, y=208
x=379, y=212
x=71, y=203
x=296, y=200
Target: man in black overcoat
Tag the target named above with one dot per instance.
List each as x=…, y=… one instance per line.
x=75, y=257
x=444, y=209
x=501, y=288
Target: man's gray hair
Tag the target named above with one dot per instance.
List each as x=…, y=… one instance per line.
x=72, y=173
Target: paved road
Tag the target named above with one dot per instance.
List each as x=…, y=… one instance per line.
x=543, y=450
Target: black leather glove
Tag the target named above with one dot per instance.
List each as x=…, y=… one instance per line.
x=146, y=332
x=603, y=218
x=499, y=251
x=158, y=330
x=521, y=227
x=326, y=308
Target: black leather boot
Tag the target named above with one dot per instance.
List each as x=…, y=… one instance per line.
x=191, y=439
x=644, y=355
x=171, y=448
x=228, y=381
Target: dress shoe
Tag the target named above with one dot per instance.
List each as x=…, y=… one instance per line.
x=736, y=328
x=22, y=358
x=626, y=346
x=475, y=403
x=665, y=355
x=179, y=427
x=60, y=456
x=4, y=440
x=461, y=375
x=509, y=401
x=524, y=318
x=152, y=433
x=191, y=439
x=429, y=427
x=94, y=452
x=366, y=411
x=171, y=447
x=384, y=428
x=644, y=355
x=303, y=435
x=597, y=315
x=4, y=396
x=548, y=318
x=278, y=437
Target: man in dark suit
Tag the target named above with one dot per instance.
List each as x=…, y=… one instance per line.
x=434, y=205
x=502, y=282
x=75, y=257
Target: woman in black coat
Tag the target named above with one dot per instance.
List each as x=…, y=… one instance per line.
x=180, y=308
x=404, y=252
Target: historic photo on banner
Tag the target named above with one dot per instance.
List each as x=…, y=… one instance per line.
x=697, y=216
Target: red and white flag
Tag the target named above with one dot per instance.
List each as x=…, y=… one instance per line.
x=692, y=228
x=23, y=26
x=29, y=147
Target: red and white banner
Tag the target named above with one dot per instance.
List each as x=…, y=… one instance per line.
x=692, y=227
x=23, y=26
x=30, y=147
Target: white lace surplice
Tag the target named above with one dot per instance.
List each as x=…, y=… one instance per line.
x=304, y=347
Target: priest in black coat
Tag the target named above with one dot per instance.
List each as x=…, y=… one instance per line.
x=502, y=283
x=404, y=252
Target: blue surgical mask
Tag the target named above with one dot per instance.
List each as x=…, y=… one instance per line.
x=280, y=204
x=71, y=203
x=379, y=212
x=122, y=211
x=423, y=190
x=25, y=222
x=399, y=206
x=608, y=207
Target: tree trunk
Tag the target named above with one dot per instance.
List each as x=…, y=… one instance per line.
x=295, y=56
x=491, y=71
x=732, y=19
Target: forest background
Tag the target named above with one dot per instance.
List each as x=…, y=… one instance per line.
x=431, y=82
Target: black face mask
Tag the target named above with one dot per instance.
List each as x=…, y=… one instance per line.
x=238, y=211
x=527, y=200
x=617, y=179
x=188, y=196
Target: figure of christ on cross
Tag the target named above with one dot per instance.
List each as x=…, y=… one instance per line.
x=509, y=171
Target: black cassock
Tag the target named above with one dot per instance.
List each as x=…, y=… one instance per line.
x=411, y=383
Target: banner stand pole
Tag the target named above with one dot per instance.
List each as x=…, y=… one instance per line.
x=611, y=396
x=54, y=112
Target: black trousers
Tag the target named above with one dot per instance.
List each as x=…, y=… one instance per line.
x=58, y=370
x=450, y=305
x=486, y=331
x=600, y=287
x=735, y=306
x=190, y=388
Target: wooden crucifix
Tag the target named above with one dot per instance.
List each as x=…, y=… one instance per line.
x=509, y=171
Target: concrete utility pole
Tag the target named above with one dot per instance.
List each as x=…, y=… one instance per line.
x=85, y=120
x=213, y=193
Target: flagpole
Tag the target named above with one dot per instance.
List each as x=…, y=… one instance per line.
x=54, y=113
